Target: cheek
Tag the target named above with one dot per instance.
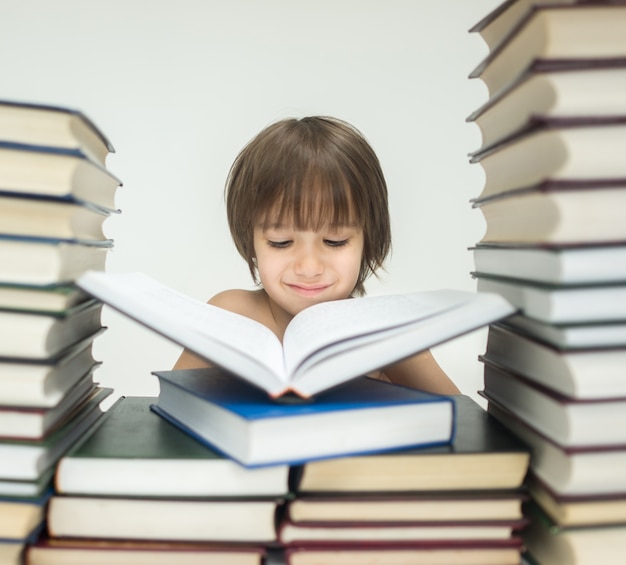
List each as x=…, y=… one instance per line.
x=351, y=265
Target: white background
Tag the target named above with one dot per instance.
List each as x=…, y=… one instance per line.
x=179, y=87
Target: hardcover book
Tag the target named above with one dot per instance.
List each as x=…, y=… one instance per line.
x=551, y=33
x=28, y=460
x=163, y=519
x=575, y=373
x=40, y=261
x=67, y=129
x=569, y=471
x=64, y=551
x=569, y=422
x=484, y=455
x=134, y=452
x=358, y=416
x=559, y=304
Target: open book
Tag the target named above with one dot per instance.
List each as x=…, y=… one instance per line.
x=323, y=346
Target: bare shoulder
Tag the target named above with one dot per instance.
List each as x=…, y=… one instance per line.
x=250, y=303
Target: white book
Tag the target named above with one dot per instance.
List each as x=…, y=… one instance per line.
x=570, y=336
x=575, y=373
x=568, y=471
x=557, y=304
x=553, y=265
x=324, y=345
x=568, y=422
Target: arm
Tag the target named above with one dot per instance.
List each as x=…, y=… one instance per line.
x=421, y=371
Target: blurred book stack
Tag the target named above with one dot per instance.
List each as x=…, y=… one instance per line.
x=553, y=131
x=55, y=194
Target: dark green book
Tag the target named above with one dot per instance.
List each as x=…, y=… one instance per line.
x=484, y=455
x=135, y=452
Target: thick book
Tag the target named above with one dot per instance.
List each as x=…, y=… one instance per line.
x=52, y=298
x=484, y=455
x=570, y=336
x=323, y=346
x=400, y=533
x=359, y=416
x=51, y=218
x=42, y=261
x=568, y=471
x=568, y=422
x=27, y=488
x=163, y=519
x=63, y=551
x=472, y=552
x=543, y=97
x=11, y=551
x=552, y=215
x=68, y=130
x=44, y=383
x=563, y=265
x=28, y=460
x=566, y=152
x=18, y=422
x=41, y=335
x=574, y=373
x=505, y=17
x=452, y=506
x=572, y=510
x=21, y=517
x=550, y=544
x=560, y=304
x=44, y=172
x=552, y=33
x=134, y=452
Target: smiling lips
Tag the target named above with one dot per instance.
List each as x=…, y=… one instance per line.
x=308, y=290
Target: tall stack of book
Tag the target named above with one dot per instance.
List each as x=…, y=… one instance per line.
x=553, y=200
x=55, y=193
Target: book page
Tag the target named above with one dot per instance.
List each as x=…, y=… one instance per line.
x=210, y=332
x=338, y=362
x=333, y=323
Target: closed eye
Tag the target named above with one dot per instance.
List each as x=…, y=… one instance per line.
x=335, y=242
x=279, y=244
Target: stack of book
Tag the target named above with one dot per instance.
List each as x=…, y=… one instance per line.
x=139, y=490
x=459, y=503
x=555, y=247
x=55, y=194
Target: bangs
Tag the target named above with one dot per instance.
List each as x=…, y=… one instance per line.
x=311, y=204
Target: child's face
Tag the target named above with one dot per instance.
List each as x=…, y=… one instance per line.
x=299, y=268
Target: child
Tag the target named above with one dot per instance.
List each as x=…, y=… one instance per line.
x=307, y=208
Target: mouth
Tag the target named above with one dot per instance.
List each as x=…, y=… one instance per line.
x=308, y=290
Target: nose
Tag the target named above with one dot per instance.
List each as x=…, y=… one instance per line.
x=309, y=263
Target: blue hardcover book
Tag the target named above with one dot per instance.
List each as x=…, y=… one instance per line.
x=363, y=415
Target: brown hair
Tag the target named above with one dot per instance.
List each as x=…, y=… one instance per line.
x=314, y=171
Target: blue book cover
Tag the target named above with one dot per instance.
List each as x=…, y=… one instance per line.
x=362, y=415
